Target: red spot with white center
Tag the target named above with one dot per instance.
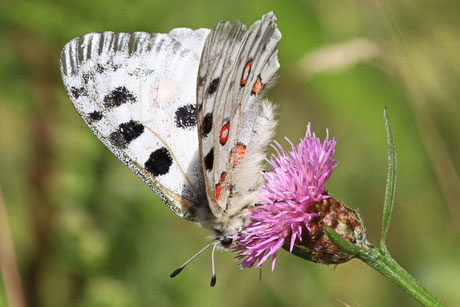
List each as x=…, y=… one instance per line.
x=258, y=86
x=223, y=176
x=246, y=72
x=237, y=154
x=224, y=132
x=218, y=191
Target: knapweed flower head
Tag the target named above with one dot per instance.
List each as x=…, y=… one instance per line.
x=290, y=192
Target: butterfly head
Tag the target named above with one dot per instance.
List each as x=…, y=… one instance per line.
x=228, y=226
x=226, y=242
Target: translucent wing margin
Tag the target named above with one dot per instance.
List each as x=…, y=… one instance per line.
x=137, y=93
x=233, y=122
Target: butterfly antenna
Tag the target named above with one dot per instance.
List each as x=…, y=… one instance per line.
x=213, y=278
x=177, y=271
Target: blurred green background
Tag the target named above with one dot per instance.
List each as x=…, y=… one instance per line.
x=88, y=232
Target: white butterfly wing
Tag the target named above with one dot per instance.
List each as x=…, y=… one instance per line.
x=234, y=124
x=137, y=93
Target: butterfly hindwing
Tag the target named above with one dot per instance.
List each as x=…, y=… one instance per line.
x=234, y=124
x=137, y=92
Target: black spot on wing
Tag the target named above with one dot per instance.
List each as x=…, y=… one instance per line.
x=159, y=162
x=100, y=69
x=77, y=92
x=118, y=96
x=96, y=115
x=213, y=86
x=186, y=116
x=200, y=81
x=126, y=133
x=209, y=160
x=207, y=124
x=86, y=77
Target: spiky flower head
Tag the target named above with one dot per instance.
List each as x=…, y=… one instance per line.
x=292, y=198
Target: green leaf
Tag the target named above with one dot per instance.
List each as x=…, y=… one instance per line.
x=391, y=180
x=343, y=244
x=301, y=252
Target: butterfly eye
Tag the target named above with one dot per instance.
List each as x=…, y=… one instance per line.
x=226, y=242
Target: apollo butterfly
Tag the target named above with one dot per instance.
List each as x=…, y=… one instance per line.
x=184, y=111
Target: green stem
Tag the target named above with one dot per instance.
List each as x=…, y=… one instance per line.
x=381, y=261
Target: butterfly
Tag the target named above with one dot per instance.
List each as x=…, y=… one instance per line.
x=184, y=111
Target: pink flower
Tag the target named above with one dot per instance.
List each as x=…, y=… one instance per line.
x=295, y=184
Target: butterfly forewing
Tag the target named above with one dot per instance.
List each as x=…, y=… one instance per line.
x=233, y=123
x=137, y=92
